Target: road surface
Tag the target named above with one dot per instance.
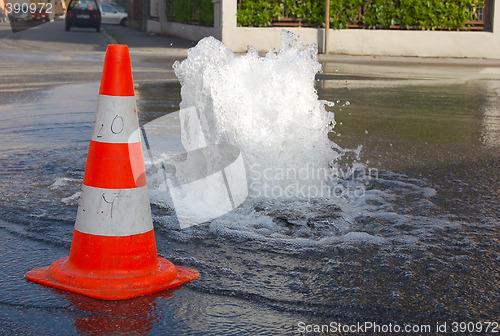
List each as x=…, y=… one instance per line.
x=47, y=55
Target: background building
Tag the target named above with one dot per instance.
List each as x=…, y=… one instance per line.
x=481, y=40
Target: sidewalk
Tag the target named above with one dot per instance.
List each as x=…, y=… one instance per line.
x=146, y=43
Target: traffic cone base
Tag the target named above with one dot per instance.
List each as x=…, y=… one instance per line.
x=63, y=276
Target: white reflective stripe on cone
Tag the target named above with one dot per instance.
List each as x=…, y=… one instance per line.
x=121, y=126
x=114, y=212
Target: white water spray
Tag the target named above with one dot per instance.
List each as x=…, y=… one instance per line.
x=266, y=106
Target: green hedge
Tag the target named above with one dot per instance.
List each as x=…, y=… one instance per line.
x=191, y=11
x=373, y=14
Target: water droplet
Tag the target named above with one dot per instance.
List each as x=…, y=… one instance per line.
x=347, y=103
x=338, y=101
x=366, y=131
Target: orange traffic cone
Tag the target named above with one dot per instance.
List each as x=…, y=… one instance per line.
x=113, y=253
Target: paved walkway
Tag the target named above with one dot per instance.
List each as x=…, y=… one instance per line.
x=143, y=42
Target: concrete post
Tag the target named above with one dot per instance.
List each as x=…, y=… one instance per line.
x=145, y=14
x=217, y=13
x=495, y=18
x=229, y=8
x=218, y=18
x=327, y=26
x=163, y=17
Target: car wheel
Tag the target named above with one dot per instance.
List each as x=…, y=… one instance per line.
x=68, y=27
x=123, y=22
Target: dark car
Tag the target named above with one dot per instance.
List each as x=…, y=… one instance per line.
x=83, y=13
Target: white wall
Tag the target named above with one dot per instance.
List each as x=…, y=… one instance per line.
x=415, y=43
x=369, y=42
x=185, y=31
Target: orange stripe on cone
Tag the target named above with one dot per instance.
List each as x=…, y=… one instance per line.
x=115, y=165
x=109, y=255
x=117, y=72
x=113, y=252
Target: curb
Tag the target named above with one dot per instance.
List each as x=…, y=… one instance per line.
x=109, y=38
x=401, y=60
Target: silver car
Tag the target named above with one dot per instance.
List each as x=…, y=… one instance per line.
x=113, y=15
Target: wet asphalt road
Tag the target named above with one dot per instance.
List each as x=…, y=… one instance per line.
x=47, y=55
